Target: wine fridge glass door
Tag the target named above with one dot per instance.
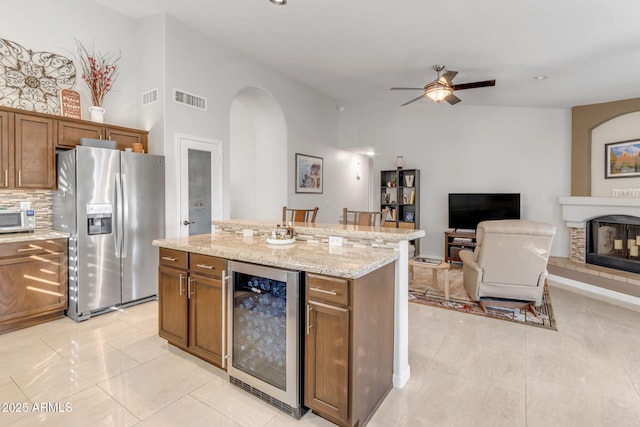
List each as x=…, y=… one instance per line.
x=260, y=328
x=263, y=329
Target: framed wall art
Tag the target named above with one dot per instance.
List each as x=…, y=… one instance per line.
x=308, y=174
x=622, y=159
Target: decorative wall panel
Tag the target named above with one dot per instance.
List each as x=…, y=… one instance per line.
x=32, y=80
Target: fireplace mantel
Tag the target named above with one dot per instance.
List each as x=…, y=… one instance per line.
x=577, y=210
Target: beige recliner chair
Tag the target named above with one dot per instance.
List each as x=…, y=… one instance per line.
x=509, y=260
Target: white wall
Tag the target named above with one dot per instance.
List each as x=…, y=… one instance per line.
x=470, y=149
x=457, y=148
x=200, y=65
x=52, y=26
x=150, y=37
x=621, y=128
x=162, y=52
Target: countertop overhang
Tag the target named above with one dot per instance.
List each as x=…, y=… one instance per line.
x=340, y=261
x=37, y=235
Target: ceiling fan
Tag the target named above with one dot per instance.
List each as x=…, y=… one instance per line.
x=441, y=89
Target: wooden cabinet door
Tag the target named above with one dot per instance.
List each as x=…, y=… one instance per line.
x=34, y=152
x=327, y=360
x=125, y=139
x=69, y=133
x=173, y=306
x=6, y=172
x=206, y=318
x=30, y=286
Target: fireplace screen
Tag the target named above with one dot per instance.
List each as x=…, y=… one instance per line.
x=614, y=241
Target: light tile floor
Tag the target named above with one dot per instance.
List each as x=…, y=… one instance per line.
x=466, y=370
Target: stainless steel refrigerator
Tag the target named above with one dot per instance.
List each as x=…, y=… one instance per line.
x=112, y=204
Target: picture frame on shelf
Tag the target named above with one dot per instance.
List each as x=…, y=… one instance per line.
x=622, y=159
x=308, y=174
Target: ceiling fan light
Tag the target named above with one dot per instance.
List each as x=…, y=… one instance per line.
x=279, y=2
x=438, y=92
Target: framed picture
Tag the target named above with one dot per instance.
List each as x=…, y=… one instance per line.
x=308, y=174
x=622, y=159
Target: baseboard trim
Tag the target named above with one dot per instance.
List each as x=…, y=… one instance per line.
x=602, y=294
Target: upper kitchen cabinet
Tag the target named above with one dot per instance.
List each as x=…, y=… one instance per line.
x=71, y=130
x=28, y=141
x=33, y=153
x=4, y=149
x=127, y=137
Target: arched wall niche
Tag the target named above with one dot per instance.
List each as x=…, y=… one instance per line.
x=584, y=119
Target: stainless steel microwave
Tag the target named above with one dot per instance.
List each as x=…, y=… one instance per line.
x=17, y=221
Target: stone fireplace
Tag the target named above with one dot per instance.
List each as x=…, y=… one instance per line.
x=613, y=241
x=604, y=227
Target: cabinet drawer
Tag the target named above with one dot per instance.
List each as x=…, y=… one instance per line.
x=329, y=289
x=173, y=258
x=205, y=264
x=33, y=247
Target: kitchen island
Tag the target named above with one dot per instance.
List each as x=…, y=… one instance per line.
x=356, y=292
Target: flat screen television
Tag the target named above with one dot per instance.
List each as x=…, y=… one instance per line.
x=466, y=210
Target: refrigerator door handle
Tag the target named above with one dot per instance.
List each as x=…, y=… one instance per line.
x=117, y=218
x=125, y=213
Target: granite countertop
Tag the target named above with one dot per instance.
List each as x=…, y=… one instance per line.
x=342, y=230
x=340, y=261
x=37, y=235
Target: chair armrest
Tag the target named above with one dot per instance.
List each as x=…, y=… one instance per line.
x=472, y=274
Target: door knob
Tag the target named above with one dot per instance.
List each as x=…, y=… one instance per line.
x=185, y=222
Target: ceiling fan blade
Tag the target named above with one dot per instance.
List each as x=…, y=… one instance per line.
x=474, y=85
x=452, y=99
x=407, y=88
x=448, y=75
x=413, y=100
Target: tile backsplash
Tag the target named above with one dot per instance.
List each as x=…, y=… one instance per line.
x=41, y=203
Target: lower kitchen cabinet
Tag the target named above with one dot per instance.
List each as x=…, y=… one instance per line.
x=33, y=282
x=327, y=360
x=206, y=323
x=348, y=365
x=173, y=314
x=191, y=303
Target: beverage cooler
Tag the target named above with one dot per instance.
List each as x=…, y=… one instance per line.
x=265, y=341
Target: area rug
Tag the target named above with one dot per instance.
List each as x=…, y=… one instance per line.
x=422, y=290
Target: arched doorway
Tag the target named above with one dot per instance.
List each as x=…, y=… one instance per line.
x=258, y=156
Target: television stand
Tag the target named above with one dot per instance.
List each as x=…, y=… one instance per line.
x=454, y=242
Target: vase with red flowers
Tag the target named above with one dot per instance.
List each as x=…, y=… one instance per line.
x=99, y=71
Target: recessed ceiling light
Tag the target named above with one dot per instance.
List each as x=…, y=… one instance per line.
x=540, y=77
x=279, y=2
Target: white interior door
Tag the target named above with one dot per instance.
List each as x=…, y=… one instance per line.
x=200, y=177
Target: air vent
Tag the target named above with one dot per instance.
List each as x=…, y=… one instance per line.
x=191, y=100
x=150, y=97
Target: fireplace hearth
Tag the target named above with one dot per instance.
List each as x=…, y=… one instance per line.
x=614, y=241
